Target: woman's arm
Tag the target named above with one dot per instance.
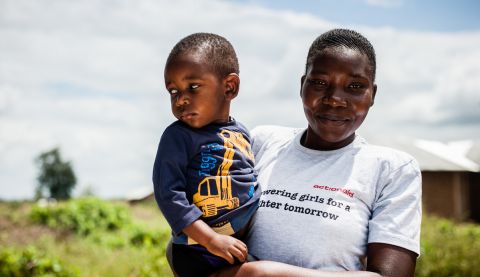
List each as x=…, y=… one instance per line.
x=390, y=260
x=276, y=269
x=384, y=259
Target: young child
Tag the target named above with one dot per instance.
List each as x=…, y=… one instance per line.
x=203, y=176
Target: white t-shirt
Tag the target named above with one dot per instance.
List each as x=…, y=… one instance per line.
x=320, y=209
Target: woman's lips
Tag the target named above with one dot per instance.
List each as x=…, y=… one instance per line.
x=332, y=119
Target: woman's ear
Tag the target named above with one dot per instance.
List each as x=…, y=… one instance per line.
x=232, y=85
x=301, y=84
x=373, y=94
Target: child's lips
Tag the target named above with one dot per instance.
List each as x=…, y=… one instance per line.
x=187, y=115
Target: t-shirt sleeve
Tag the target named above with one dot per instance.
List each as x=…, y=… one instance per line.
x=169, y=180
x=257, y=138
x=397, y=212
x=262, y=136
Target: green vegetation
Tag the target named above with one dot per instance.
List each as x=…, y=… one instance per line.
x=83, y=216
x=92, y=237
x=83, y=237
x=30, y=263
x=55, y=175
x=449, y=249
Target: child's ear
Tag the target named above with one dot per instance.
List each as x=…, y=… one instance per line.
x=232, y=85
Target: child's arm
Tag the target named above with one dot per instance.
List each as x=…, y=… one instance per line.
x=224, y=246
x=170, y=178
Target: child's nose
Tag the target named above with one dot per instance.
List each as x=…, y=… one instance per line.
x=181, y=99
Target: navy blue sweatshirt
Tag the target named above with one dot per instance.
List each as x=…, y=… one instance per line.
x=206, y=173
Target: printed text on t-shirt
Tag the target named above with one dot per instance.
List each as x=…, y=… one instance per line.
x=294, y=196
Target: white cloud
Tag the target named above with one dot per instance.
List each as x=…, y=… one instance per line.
x=88, y=77
x=385, y=3
x=429, y=81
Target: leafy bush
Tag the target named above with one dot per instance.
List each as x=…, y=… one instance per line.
x=83, y=216
x=110, y=240
x=147, y=238
x=131, y=246
x=449, y=249
x=30, y=262
x=155, y=265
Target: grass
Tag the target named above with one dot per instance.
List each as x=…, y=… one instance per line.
x=103, y=253
x=138, y=249
x=449, y=248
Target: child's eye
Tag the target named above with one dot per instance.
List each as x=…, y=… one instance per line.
x=195, y=86
x=173, y=91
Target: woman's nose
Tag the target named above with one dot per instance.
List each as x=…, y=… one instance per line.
x=334, y=98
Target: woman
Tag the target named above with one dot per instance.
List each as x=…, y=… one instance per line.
x=331, y=203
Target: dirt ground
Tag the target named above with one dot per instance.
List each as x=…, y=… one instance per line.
x=16, y=229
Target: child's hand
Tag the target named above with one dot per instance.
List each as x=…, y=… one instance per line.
x=227, y=247
x=224, y=246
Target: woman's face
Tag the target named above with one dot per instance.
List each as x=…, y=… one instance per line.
x=337, y=91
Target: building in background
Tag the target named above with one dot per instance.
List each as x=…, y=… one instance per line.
x=450, y=175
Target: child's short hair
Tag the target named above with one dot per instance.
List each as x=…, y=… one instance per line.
x=217, y=50
x=342, y=37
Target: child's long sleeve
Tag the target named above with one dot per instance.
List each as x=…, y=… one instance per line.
x=169, y=179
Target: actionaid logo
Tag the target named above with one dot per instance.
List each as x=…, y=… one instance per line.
x=342, y=190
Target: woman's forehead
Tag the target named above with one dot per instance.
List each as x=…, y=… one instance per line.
x=341, y=57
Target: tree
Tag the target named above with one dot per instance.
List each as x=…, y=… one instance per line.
x=56, y=176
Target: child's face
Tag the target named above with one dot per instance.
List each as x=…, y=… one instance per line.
x=337, y=92
x=197, y=94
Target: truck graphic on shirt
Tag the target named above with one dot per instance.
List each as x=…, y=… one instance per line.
x=215, y=192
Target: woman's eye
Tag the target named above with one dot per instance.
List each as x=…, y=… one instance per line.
x=317, y=82
x=355, y=86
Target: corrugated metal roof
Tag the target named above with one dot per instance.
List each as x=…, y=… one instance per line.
x=474, y=152
x=431, y=155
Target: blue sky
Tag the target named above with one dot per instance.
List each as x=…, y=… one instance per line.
x=87, y=76
x=415, y=15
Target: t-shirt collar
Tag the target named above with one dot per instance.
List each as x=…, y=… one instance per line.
x=357, y=140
